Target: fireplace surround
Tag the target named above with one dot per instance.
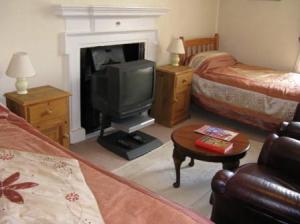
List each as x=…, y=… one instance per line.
x=100, y=26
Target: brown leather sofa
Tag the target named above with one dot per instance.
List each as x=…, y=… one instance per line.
x=264, y=192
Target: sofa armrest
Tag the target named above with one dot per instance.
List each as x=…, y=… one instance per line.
x=267, y=149
x=281, y=153
x=290, y=129
x=219, y=181
x=297, y=113
x=255, y=194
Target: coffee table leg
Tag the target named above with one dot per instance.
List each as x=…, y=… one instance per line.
x=231, y=165
x=178, y=159
x=191, y=164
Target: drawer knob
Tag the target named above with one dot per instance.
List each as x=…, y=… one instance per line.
x=49, y=111
x=184, y=81
x=118, y=23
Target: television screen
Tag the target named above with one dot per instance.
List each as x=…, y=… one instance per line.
x=137, y=86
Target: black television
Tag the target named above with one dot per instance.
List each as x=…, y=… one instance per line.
x=124, y=90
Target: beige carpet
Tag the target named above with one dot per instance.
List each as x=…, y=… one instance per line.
x=155, y=171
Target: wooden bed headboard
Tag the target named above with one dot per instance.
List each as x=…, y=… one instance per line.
x=198, y=45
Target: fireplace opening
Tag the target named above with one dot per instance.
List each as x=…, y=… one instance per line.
x=96, y=59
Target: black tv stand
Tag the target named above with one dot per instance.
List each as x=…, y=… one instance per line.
x=124, y=144
x=137, y=138
x=133, y=149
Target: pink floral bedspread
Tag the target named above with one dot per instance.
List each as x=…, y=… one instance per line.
x=119, y=200
x=54, y=185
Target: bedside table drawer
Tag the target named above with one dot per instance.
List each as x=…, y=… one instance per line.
x=56, y=129
x=181, y=101
x=47, y=111
x=183, y=81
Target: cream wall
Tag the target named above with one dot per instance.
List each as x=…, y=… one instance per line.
x=261, y=32
x=32, y=26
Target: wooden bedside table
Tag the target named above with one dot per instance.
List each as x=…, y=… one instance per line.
x=46, y=108
x=172, y=94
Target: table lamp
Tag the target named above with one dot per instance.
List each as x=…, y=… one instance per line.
x=176, y=48
x=20, y=67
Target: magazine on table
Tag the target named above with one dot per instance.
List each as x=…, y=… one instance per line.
x=216, y=132
x=213, y=144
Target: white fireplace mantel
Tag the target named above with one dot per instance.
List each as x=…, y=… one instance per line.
x=109, y=11
x=90, y=26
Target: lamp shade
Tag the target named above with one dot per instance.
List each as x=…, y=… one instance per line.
x=20, y=66
x=176, y=46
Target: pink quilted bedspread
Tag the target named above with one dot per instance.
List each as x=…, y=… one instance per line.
x=226, y=70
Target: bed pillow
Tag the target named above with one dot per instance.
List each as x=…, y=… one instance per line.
x=211, y=60
x=198, y=59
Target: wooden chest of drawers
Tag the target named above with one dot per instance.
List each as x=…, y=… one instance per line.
x=46, y=108
x=172, y=94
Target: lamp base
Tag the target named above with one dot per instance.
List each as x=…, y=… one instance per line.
x=175, y=59
x=21, y=86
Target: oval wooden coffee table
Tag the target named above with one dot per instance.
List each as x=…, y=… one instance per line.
x=184, y=146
